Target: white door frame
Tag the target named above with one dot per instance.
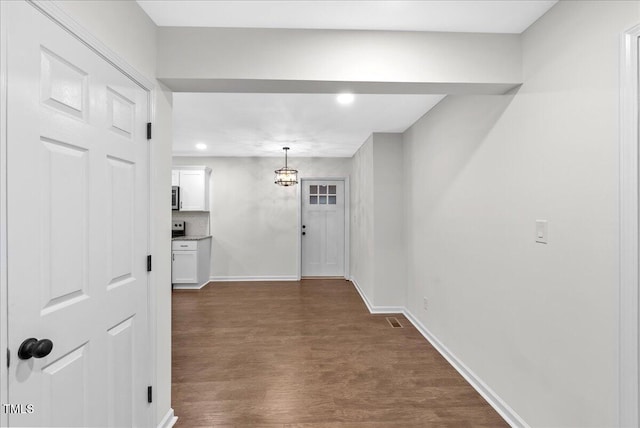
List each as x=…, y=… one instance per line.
x=4, y=309
x=628, y=303
x=54, y=12
x=347, y=217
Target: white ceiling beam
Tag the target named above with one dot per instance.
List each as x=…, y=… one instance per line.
x=316, y=61
x=256, y=86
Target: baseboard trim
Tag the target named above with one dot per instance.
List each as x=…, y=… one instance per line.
x=363, y=296
x=503, y=409
x=188, y=286
x=253, y=278
x=387, y=310
x=376, y=309
x=169, y=420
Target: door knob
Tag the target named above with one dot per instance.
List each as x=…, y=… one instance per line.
x=35, y=348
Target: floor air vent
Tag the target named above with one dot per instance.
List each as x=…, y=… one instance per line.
x=393, y=322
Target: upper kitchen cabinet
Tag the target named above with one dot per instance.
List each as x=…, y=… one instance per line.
x=175, y=177
x=194, y=187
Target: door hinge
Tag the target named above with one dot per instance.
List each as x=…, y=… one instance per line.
x=149, y=263
x=149, y=394
x=8, y=357
x=148, y=130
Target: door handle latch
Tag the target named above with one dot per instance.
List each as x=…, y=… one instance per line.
x=35, y=348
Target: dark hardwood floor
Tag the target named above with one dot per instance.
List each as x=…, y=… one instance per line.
x=308, y=354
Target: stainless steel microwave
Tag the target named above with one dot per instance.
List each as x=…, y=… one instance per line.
x=175, y=197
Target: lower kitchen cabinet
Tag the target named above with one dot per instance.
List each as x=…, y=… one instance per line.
x=184, y=269
x=190, y=263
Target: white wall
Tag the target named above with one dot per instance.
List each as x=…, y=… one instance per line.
x=537, y=323
x=362, y=243
x=122, y=26
x=389, y=235
x=189, y=56
x=254, y=222
x=378, y=246
x=126, y=30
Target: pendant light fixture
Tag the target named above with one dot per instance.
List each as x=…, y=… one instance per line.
x=286, y=176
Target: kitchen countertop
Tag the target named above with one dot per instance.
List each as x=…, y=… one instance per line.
x=190, y=237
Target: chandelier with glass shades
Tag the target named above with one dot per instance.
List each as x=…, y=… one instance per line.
x=286, y=176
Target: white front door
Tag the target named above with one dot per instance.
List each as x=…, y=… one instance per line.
x=77, y=209
x=323, y=228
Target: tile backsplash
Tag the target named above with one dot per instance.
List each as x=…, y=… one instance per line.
x=196, y=223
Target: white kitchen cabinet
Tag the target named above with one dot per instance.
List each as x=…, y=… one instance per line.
x=175, y=177
x=191, y=259
x=193, y=192
x=184, y=268
x=194, y=187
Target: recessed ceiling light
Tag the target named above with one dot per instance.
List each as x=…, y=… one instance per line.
x=201, y=146
x=345, y=98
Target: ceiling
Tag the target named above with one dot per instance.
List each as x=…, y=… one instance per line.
x=315, y=124
x=312, y=125
x=500, y=16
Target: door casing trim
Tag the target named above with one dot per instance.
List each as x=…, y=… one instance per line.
x=4, y=277
x=347, y=221
x=628, y=352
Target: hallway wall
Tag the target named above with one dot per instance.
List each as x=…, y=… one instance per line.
x=378, y=247
x=538, y=323
x=362, y=228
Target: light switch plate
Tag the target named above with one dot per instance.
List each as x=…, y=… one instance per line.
x=542, y=231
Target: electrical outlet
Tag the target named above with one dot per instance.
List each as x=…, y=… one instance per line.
x=425, y=303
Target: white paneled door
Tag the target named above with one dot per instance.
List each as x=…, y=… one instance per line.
x=323, y=228
x=77, y=195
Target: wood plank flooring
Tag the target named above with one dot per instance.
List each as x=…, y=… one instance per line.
x=308, y=354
